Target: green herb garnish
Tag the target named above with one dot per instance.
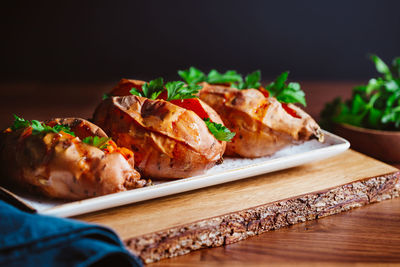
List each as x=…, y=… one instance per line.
x=175, y=90
x=375, y=105
x=252, y=80
x=230, y=76
x=106, y=96
x=286, y=93
x=219, y=131
x=193, y=76
x=151, y=89
x=19, y=123
x=99, y=142
x=179, y=90
x=38, y=127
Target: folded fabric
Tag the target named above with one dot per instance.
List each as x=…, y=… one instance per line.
x=36, y=240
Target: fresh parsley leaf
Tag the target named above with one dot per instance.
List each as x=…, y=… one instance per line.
x=66, y=129
x=375, y=105
x=392, y=86
x=106, y=96
x=99, y=142
x=19, y=123
x=286, y=93
x=192, y=75
x=134, y=91
x=151, y=89
x=252, y=80
x=38, y=127
x=381, y=66
x=230, y=76
x=179, y=90
x=219, y=131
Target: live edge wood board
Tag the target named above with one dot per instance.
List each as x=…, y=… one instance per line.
x=231, y=212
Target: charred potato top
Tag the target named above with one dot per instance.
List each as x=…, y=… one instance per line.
x=60, y=165
x=262, y=125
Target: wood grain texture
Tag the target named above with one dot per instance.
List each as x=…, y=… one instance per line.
x=234, y=227
x=231, y=212
x=368, y=236
x=240, y=195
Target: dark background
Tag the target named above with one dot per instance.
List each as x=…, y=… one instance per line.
x=107, y=40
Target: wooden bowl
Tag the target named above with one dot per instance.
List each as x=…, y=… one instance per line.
x=383, y=145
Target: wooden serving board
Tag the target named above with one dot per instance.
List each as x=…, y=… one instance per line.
x=230, y=212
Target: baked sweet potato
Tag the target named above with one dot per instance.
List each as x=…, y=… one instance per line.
x=59, y=165
x=168, y=141
x=262, y=124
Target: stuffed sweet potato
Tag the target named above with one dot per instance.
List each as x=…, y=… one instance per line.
x=166, y=126
x=169, y=141
x=262, y=124
x=263, y=119
x=49, y=159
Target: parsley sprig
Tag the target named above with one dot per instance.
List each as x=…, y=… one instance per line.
x=375, y=105
x=252, y=80
x=175, y=90
x=230, y=76
x=38, y=127
x=219, y=131
x=151, y=89
x=286, y=93
x=99, y=142
x=193, y=76
x=180, y=90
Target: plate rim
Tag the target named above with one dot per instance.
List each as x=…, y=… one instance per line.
x=197, y=182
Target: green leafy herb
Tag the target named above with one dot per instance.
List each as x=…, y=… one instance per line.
x=381, y=66
x=175, y=90
x=230, y=76
x=38, y=127
x=179, y=90
x=219, y=131
x=193, y=76
x=99, y=142
x=375, y=105
x=252, y=80
x=66, y=129
x=286, y=93
x=19, y=123
x=106, y=96
x=151, y=89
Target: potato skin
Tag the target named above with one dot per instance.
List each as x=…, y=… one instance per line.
x=261, y=124
x=168, y=141
x=60, y=166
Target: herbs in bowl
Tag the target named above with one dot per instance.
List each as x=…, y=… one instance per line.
x=371, y=118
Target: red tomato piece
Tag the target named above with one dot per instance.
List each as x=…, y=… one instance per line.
x=192, y=104
x=289, y=110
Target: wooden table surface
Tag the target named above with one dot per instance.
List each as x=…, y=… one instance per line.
x=369, y=234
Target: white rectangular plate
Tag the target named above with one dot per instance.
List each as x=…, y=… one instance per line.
x=230, y=170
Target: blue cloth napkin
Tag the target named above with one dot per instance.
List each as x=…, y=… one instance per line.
x=36, y=240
